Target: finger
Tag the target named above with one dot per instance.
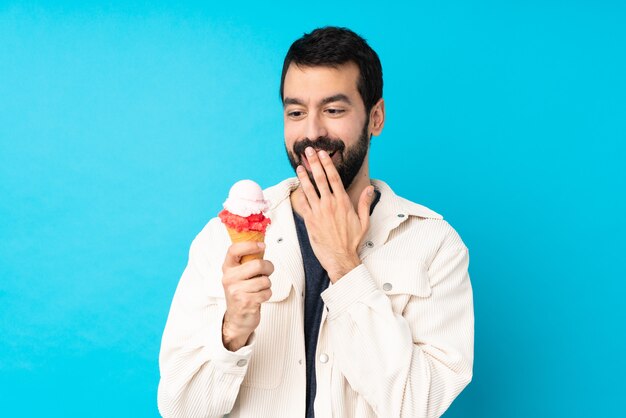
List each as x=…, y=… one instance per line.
x=256, y=284
x=248, y=299
x=249, y=270
x=365, y=202
x=334, y=179
x=238, y=250
x=301, y=203
x=254, y=268
x=318, y=171
x=263, y=296
x=307, y=187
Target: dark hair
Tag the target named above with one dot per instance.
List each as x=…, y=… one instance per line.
x=333, y=46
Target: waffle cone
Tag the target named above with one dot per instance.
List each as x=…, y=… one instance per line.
x=236, y=236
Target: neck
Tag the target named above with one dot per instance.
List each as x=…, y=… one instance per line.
x=360, y=182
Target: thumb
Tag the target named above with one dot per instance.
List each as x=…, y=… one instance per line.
x=367, y=195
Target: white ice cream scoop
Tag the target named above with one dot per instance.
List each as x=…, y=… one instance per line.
x=246, y=198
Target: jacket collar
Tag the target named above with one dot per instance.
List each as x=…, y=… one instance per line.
x=389, y=213
x=390, y=204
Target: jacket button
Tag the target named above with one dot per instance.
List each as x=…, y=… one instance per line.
x=387, y=287
x=242, y=362
x=324, y=358
x=401, y=215
x=369, y=244
x=279, y=240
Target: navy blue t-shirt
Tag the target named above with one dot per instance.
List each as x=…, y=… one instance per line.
x=316, y=281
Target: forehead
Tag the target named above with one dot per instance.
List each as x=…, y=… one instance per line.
x=311, y=84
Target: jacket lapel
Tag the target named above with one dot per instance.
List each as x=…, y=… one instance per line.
x=283, y=248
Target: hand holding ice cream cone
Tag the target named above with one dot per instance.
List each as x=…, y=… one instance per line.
x=246, y=285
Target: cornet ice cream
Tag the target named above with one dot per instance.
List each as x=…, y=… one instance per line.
x=243, y=215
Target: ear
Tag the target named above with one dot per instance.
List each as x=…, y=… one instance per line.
x=377, y=117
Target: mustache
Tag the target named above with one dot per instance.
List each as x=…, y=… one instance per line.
x=322, y=143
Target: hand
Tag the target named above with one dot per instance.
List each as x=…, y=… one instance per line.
x=246, y=286
x=334, y=227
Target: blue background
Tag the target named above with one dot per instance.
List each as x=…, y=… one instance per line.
x=122, y=127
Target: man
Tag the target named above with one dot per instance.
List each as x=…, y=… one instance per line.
x=363, y=304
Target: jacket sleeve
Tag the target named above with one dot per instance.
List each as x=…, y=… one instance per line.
x=411, y=364
x=199, y=377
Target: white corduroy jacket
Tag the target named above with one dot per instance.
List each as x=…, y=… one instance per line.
x=396, y=337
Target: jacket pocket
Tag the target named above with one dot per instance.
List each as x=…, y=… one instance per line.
x=399, y=279
x=266, y=364
x=266, y=367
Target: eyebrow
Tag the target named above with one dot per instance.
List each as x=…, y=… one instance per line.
x=330, y=99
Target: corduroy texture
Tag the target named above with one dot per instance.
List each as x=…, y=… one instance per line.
x=396, y=338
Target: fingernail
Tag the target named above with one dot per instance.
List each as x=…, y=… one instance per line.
x=261, y=244
x=300, y=169
x=309, y=151
x=322, y=154
x=370, y=192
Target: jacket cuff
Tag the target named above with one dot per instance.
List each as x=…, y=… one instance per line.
x=232, y=362
x=351, y=288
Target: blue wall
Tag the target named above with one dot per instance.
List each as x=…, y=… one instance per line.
x=122, y=128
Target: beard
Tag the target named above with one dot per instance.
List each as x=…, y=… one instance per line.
x=351, y=158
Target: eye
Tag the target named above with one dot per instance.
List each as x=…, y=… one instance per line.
x=335, y=112
x=295, y=114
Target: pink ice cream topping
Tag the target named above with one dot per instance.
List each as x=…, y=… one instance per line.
x=243, y=210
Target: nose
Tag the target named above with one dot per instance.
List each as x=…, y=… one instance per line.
x=315, y=127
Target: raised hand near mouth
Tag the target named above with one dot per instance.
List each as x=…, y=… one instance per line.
x=334, y=227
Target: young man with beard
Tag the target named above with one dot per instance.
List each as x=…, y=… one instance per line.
x=363, y=304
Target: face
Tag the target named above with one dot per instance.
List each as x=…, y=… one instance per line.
x=323, y=109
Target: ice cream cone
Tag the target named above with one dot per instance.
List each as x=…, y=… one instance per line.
x=236, y=236
x=243, y=215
